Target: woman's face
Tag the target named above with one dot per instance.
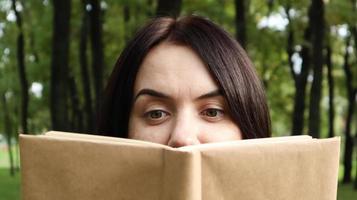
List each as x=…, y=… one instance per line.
x=177, y=102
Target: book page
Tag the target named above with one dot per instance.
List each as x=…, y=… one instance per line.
x=74, y=166
x=58, y=168
x=290, y=169
x=99, y=138
x=246, y=141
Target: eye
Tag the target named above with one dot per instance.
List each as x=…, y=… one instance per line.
x=213, y=114
x=156, y=115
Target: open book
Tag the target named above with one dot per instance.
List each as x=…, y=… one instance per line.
x=61, y=166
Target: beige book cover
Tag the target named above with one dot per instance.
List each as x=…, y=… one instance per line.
x=60, y=165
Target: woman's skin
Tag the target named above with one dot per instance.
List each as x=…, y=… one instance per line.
x=177, y=102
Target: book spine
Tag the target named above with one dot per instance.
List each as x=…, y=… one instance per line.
x=181, y=175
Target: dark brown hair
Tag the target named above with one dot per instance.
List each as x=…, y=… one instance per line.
x=227, y=62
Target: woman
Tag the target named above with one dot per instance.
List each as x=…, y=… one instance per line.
x=182, y=82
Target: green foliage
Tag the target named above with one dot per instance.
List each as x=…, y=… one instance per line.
x=265, y=45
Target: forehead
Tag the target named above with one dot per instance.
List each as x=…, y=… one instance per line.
x=172, y=68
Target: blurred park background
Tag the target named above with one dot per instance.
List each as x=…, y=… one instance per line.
x=56, y=56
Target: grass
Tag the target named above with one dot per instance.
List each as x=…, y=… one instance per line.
x=10, y=186
x=4, y=156
x=346, y=192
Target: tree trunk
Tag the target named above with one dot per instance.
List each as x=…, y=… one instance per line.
x=347, y=161
x=353, y=30
x=59, y=65
x=300, y=86
x=331, y=120
x=317, y=39
x=300, y=80
x=290, y=42
x=313, y=36
x=353, y=27
x=83, y=60
x=240, y=7
x=17, y=154
x=22, y=70
x=355, y=182
x=354, y=34
x=76, y=114
x=168, y=8
x=95, y=18
x=8, y=131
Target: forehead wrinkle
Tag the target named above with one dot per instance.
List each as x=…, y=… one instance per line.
x=174, y=70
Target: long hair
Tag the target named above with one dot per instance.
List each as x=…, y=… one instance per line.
x=225, y=59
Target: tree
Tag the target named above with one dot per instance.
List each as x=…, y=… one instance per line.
x=240, y=8
x=96, y=32
x=300, y=79
x=351, y=95
x=168, y=8
x=353, y=28
x=8, y=131
x=59, y=65
x=355, y=182
x=22, y=69
x=83, y=62
x=328, y=61
x=317, y=38
x=76, y=116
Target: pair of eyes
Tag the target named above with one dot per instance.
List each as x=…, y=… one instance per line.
x=210, y=114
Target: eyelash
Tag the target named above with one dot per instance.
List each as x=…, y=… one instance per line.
x=214, y=109
x=154, y=121
x=203, y=113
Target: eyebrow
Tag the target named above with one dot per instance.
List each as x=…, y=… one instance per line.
x=154, y=93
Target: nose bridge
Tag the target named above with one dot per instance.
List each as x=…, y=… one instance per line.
x=184, y=131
